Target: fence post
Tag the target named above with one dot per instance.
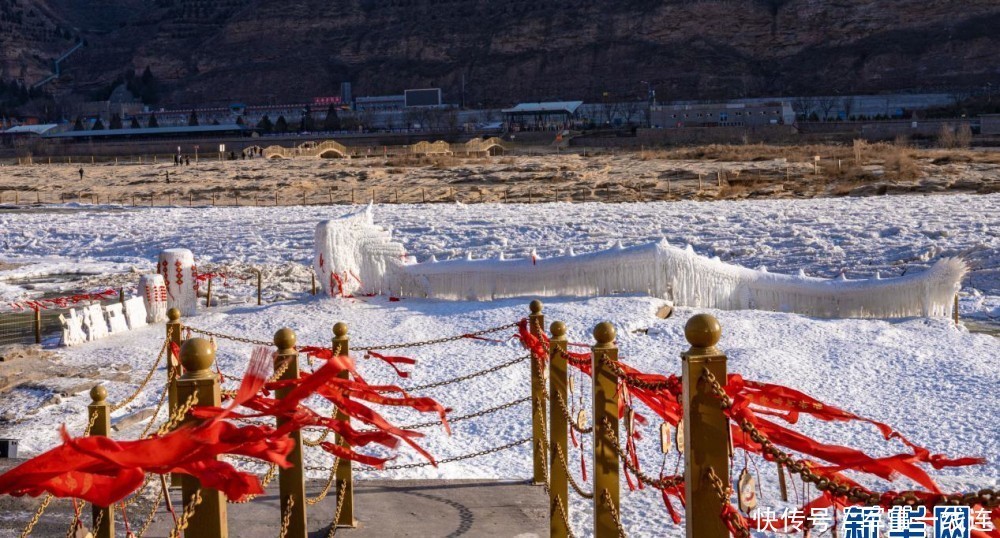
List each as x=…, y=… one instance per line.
x=259, y=287
x=558, y=485
x=208, y=296
x=954, y=310
x=345, y=481
x=706, y=428
x=38, y=325
x=537, y=327
x=313, y=278
x=174, y=328
x=209, y=518
x=291, y=480
x=606, y=462
x=102, y=426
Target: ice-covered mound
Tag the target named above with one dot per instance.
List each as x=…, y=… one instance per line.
x=355, y=256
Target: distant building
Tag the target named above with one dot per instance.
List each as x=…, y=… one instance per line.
x=722, y=115
x=24, y=135
x=542, y=116
x=423, y=97
x=380, y=103
x=989, y=124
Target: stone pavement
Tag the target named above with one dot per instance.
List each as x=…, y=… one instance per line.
x=383, y=508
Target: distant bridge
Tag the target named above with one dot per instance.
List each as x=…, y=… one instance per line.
x=323, y=150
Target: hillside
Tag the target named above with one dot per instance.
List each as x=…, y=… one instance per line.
x=257, y=51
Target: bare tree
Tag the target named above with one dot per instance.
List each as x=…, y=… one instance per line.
x=803, y=106
x=826, y=104
x=631, y=109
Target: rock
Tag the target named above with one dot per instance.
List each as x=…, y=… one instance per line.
x=665, y=311
x=128, y=421
x=16, y=352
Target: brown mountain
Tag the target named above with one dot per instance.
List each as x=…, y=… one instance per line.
x=259, y=51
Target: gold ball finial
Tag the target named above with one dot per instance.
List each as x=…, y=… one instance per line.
x=340, y=329
x=703, y=331
x=284, y=338
x=535, y=306
x=197, y=354
x=174, y=314
x=98, y=394
x=558, y=329
x=604, y=332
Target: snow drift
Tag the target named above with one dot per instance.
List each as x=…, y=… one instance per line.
x=355, y=256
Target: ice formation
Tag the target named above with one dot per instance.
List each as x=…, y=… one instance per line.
x=94, y=323
x=72, y=329
x=354, y=257
x=116, y=318
x=180, y=275
x=154, y=296
x=135, y=312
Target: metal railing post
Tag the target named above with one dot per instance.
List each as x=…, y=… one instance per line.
x=104, y=518
x=706, y=428
x=606, y=461
x=558, y=484
x=197, y=357
x=537, y=327
x=174, y=328
x=291, y=481
x=345, y=480
x=38, y=325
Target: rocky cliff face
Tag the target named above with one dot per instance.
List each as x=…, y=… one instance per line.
x=258, y=51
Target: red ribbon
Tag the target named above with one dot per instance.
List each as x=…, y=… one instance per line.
x=63, y=302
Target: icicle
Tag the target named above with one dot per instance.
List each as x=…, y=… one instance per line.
x=468, y=255
x=572, y=252
x=802, y=273
x=433, y=259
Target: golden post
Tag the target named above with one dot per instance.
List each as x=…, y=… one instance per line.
x=102, y=426
x=292, y=484
x=209, y=518
x=208, y=296
x=345, y=481
x=536, y=324
x=606, y=464
x=706, y=428
x=174, y=328
x=558, y=485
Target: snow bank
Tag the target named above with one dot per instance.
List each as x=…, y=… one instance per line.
x=354, y=256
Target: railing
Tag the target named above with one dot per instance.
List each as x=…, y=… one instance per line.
x=701, y=396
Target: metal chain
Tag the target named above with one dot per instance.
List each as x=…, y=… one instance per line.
x=986, y=497
x=287, y=517
x=655, y=483
x=230, y=337
x=341, y=495
x=572, y=481
x=100, y=519
x=135, y=496
x=606, y=498
x=145, y=381
x=329, y=484
x=463, y=417
x=438, y=340
x=38, y=514
x=90, y=424
x=457, y=458
x=467, y=377
x=365, y=348
x=569, y=419
x=186, y=516
x=272, y=471
x=319, y=440
x=178, y=415
x=637, y=383
x=152, y=514
x=159, y=405
x=724, y=493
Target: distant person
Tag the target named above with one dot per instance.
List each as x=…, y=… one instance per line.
x=168, y=177
x=177, y=160
x=187, y=161
x=81, y=173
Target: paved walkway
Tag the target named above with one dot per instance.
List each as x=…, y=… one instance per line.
x=383, y=508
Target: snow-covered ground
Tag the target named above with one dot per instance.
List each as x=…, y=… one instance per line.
x=935, y=382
